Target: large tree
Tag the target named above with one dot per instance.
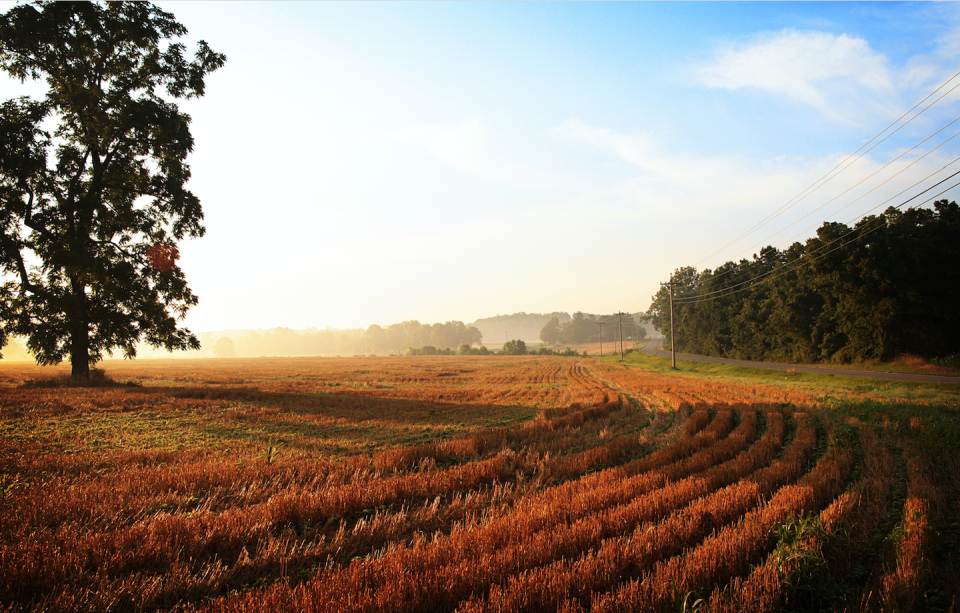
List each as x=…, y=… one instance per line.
x=887, y=286
x=91, y=213
x=551, y=334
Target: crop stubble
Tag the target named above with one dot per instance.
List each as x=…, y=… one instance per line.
x=438, y=484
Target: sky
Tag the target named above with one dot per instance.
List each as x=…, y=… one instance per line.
x=364, y=163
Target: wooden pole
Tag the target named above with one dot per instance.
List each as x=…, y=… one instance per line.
x=620, y=327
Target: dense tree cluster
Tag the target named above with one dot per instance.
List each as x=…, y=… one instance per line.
x=514, y=347
x=400, y=337
x=522, y=325
x=888, y=286
x=518, y=347
x=471, y=350
x=586, y=328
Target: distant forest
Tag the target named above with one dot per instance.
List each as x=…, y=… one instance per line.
x=402, y=337
x=393, y=339
x=587, y=328
x=521, y=326
x=397, y=338
x=886, y=287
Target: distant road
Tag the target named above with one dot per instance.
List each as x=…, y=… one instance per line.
x=654, y=348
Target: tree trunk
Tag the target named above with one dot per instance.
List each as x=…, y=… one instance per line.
x=79, y=352
x=80, y=335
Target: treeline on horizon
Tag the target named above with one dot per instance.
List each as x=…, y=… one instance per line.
x=448, y=338
x=886, y=287
x=423, y=339
x=524, y=326
x=587, y=328
x=281, y=341
x=376, y=339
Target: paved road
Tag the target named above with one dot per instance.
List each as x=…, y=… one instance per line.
x=654, y=348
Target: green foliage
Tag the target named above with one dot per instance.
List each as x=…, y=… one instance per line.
x=798, y=544
x=468, y=350
x=514, y=347
x=950, y=361
x=430, y=350
x=272, y=451
x=581, y=329
x=551, y=334
x=804, y=554
x=100, y=203
x=690, y=602
x=568, y=352
x=8, y=485
x=890, y=285
x=641, y=334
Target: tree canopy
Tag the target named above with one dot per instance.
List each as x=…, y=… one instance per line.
x=584, y=328
x=551, y=334
x=91, y=213
x=888, y=286
x=514, y=347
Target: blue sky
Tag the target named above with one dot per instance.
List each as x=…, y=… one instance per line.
x=366, y=163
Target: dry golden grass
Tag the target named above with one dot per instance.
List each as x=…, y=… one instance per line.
x=434, y=484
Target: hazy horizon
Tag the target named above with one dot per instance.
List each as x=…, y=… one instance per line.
x=366, y=163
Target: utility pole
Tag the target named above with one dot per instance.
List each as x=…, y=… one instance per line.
x=673, y=346
x=600, y=327
x=620, y=332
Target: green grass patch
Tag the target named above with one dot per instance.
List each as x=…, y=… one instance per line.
x=821, y=385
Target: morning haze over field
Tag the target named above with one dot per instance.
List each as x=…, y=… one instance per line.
x=439, y=251
x=365, y=163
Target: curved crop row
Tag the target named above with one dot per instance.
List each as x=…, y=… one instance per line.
x=532, y=532
x=731, y=550
x=36, y=564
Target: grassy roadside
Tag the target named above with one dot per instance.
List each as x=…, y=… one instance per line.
x=907, y=365
x=823, y=386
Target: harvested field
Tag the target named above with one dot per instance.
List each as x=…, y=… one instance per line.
x=467, y=484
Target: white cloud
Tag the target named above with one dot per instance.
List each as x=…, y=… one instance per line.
x=926, y=71
x=949, y=43
x=464, y=146
x=840, y=76
x=697, y=183
x=708, y=196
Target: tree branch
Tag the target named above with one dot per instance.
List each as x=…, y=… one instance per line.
x=25, y=283
x=114, y=245
x=33, y=225
x=72, y=191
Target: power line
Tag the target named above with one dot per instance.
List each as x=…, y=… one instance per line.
x=708, y=295
x=826, y=178
x=865, y=179
x=951, y=163
x=723, y=293
x=794, y=237
x=812, y=187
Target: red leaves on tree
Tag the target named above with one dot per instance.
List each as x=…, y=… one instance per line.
x=163, y=256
